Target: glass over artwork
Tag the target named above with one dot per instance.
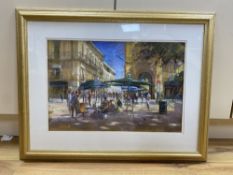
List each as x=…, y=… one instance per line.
x=115, y=86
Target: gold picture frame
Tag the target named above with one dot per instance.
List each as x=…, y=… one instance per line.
x=24, y=16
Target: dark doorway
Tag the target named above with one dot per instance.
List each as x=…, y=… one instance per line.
x=146, y=76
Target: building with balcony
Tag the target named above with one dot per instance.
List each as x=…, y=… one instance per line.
x=108, y=73
x=72, y=62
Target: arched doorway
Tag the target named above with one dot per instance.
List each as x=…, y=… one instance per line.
x=146, y=76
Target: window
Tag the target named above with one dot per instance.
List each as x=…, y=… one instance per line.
x=82, y=75
x=56, y=72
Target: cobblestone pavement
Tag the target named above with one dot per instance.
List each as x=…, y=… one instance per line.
x=138, y=118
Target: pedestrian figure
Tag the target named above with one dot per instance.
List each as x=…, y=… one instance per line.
x=61, y=97
x=148, y=101
x=73, y=103
x=77, y=108
x=119, y=103
x=69, y=95
x=89, y=98
x=104, y=106
x=136, y=97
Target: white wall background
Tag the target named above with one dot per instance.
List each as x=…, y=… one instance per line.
x=222, y=83
x=8, y=75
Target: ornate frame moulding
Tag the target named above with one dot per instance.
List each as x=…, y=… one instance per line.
x=89, y=145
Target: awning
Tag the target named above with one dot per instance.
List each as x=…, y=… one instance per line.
x=58, y=84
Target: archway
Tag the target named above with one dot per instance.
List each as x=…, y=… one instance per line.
x=146, y=76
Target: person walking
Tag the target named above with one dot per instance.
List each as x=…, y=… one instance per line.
x=69, y=95
x=77, y=109
x=73, y=103
x=148, y=96
x=89, y=98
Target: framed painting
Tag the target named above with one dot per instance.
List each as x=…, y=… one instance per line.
x=114, y=85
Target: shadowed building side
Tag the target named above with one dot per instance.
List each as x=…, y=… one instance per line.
x=157, y=63
x=139, y=68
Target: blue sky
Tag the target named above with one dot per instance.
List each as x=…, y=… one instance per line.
x=114, y=55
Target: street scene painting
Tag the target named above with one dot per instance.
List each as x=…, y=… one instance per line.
x=115, y=86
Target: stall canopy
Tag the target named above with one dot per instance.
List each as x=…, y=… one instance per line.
x=58, y=84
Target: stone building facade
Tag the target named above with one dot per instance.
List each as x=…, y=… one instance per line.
x=151, y=69
x=139, y=68
x=72, y=62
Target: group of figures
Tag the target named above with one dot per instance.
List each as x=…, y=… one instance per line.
x=78, y=101
x=73, y=102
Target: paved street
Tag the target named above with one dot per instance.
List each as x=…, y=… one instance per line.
x=138, y=118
